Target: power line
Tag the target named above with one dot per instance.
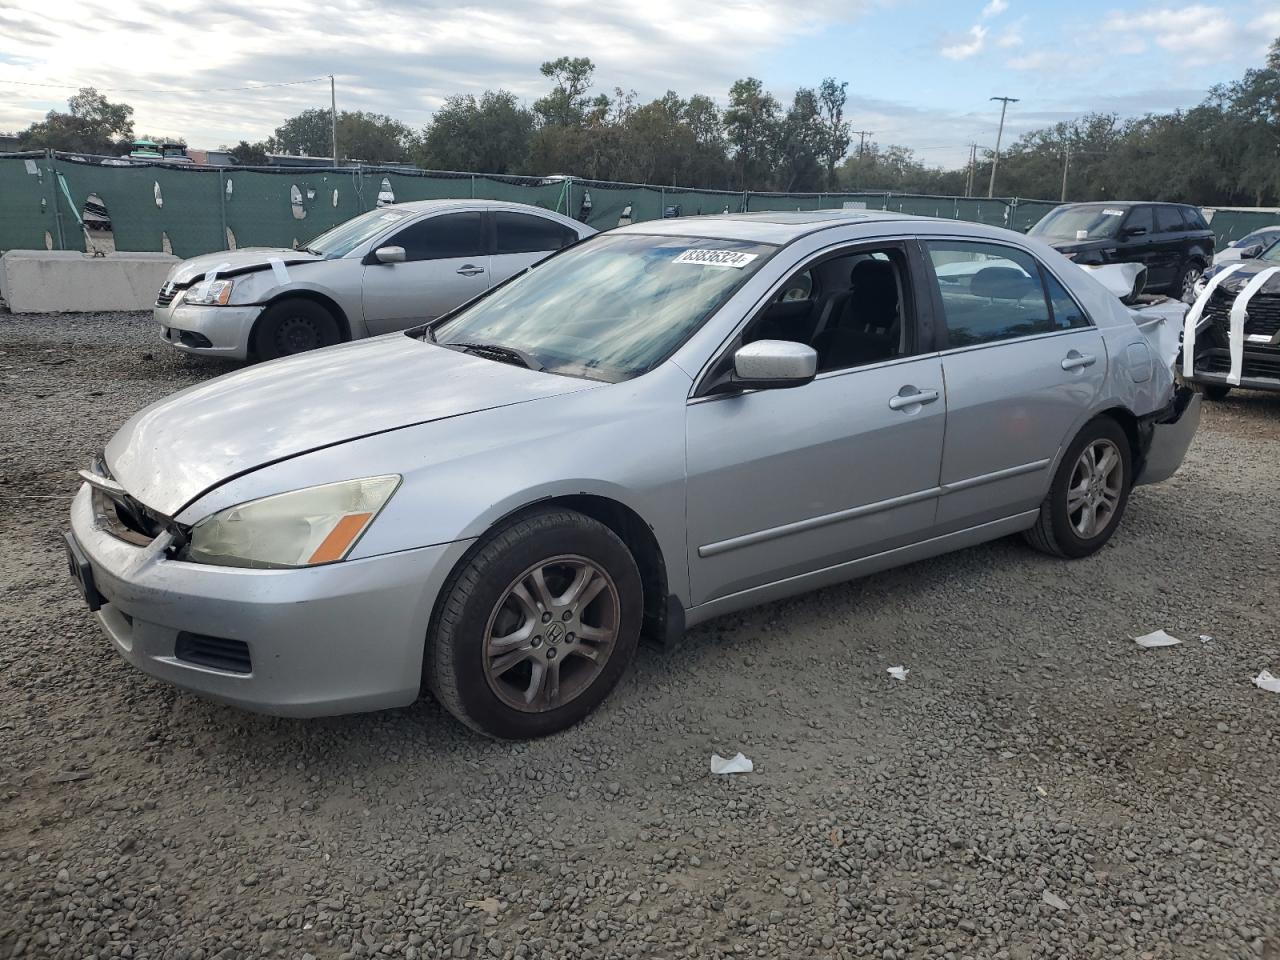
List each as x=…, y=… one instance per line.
x=75, y=86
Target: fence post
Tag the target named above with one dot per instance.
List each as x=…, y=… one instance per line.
x=222, y=205
x=53, y=195
x=473, y=186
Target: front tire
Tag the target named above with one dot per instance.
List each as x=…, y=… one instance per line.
x=1214, y=391
x=293, y=326
x=1089, y=492
x=536, y=626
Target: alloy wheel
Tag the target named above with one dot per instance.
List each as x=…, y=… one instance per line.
x=1093, y=494
x=551, y=633
x=1189, y=281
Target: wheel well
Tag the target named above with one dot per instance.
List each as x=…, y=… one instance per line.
x=1129, y=424
x=631, y=529
x=638, y=536
x=344, y=325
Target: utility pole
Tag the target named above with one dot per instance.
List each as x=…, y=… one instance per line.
x=862, y=139
x=1066, y=165
x=995, y=161
x=333, y=118
x=973, y=163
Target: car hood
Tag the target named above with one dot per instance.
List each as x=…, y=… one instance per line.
x=1236, y=282
x=232, y=262
x=1063, y=245
x=175, y=450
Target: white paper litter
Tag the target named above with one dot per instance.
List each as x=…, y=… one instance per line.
x=735, y=764
x=1267, y=682
x=1205, y=638
x=1053, y=900
x=898, y=673
x=1157, y=639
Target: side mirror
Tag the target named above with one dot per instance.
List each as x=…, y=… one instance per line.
x=770, y=365
x=1251, y=252
x=389, y=254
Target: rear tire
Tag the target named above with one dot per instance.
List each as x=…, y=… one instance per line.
x=1185, y=288
x=293, y=326
x=536, y=627
x=1089, y=492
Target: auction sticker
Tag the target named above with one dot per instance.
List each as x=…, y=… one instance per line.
x=716, y=258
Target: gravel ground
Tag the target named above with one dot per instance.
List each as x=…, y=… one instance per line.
x=1038, y=787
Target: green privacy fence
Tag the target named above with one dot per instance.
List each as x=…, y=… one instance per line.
x=1231, y=225
x=199, y=209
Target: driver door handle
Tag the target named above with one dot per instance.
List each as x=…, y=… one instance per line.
x=1077, y=361
x=901, y=401
x=470, y=270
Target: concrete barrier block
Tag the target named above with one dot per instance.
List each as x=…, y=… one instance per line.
x=66, y=281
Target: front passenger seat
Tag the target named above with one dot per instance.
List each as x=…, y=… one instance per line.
x=867, y=324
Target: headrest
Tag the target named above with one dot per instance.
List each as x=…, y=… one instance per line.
x=1001, y=283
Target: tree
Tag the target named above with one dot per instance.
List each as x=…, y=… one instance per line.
x=802, y=145
x=372, y=137
x=751, y=125
x=836, y=138
x=566, y=105
x=93, y=125
x=249, y=154
x=489, y=135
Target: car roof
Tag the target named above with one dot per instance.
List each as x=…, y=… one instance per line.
x=770, y=226
x=1126, y=203
x=423, y=206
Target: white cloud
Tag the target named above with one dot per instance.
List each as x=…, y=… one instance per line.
x=399, y=57
x=995, y=7
x=1200, y=34
x=1010, y=37
x=972, y=45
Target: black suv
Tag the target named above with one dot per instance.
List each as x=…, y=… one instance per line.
x=1172, y=240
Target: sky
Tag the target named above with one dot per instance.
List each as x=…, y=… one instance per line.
x=920, y=72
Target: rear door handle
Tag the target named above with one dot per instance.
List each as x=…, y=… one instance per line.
x=912, y=399
x=1076, y=361
x=470, y=269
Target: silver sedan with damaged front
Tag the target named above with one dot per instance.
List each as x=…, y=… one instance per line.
x=385, y=270
x=664, y=423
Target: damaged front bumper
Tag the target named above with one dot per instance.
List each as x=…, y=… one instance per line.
x=1166, y=435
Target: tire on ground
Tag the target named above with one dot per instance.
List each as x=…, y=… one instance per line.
x=454, y=659
x=1053, y=532
x=1214, y=391
x=293, y=326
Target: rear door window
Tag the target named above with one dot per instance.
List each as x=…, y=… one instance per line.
x=1168, y=220
x=524, y=233
x=990, y=293
x=445, y=237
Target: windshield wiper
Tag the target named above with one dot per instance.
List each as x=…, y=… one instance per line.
x=494, y=351
x=313, y=252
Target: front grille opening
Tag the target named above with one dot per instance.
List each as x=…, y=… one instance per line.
x=217, y=653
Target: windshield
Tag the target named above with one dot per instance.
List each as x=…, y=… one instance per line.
x=345, y=237
x=1271, y=254
x=611, y=308
x=1080, y=223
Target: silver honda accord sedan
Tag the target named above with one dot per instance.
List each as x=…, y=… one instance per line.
x=658, y=425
